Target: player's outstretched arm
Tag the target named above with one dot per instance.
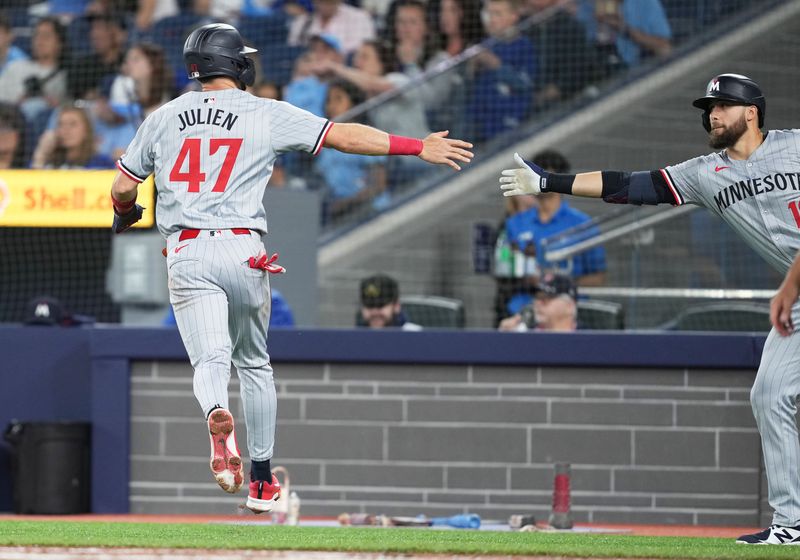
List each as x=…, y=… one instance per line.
x=780, y=308
x=618, y=187
x=435, y=148
x=529, y=178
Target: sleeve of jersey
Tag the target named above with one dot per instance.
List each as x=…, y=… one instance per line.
x=681, y=181
x=295, y=129
x=137, y=163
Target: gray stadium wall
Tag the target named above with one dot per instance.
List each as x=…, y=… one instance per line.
x=657, y=427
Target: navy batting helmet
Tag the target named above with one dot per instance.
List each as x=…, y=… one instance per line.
x=217, y=49
x=733, y=88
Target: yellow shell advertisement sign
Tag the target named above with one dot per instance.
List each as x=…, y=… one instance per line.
x=64, y=198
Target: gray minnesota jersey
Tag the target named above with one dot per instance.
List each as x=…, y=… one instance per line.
x=213, y=153
x=758, y=197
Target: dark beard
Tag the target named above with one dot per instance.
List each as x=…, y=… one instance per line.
x=729, y=136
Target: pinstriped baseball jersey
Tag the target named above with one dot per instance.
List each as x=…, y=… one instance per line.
x=213, y=153
x=758, y=197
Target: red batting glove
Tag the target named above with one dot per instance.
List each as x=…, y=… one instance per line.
x=261, y=262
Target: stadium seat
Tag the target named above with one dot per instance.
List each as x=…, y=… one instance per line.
x=736, y=316
x=434, y=311
x=596, y=314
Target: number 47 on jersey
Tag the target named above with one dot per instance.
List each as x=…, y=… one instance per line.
x=192, y=150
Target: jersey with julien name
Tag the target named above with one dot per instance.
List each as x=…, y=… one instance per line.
x=758, y=197
x=212, y=154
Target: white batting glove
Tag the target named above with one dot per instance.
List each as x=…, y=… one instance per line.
x=528, y=178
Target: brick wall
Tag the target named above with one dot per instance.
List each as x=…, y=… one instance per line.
x=646, y=445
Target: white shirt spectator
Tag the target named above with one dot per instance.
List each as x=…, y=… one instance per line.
x=351, y=25
x=12, y=80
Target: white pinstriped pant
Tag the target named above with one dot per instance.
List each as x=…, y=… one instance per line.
x=222, y=307
x=774, y=400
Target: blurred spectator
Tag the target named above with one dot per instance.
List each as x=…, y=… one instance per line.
x=45, y=310
x=38, y=84
x=509, y=264
x=351, y=180
x=444, y=94
x=403, y=114
x=567, y=64
x=308, y=86
x=228, y=10
x=8, y=51
x=307, y=90
x=550, y=216
x=144, y=84
x=374, y=74
x=150, y=11
x=412, y=42
x=12, y=137
x=380, y=305
x=504, y=74
x=460, y=25
x=90, y=75
x=70, y=145
x=555, y=308
x=628, y=29
x=267, y=90
x=350, y=25
x=112, y=7
x=296, y=8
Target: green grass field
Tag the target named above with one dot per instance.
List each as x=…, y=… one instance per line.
x=395, y=540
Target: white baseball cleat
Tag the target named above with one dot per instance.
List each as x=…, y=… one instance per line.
x=226, y=462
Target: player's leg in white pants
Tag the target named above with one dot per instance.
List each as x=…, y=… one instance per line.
x=201, y=312
x=248, y=320
x=774, y=401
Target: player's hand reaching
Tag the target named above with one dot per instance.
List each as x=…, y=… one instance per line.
x=437, y=148
x=780, y=308
x=528, y=178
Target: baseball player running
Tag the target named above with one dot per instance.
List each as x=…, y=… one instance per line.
x=753, y=183
x=212, y=154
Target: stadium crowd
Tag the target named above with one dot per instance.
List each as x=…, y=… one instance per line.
x=78, y=76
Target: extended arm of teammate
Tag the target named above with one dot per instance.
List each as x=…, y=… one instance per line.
x=619, y=187
x=780, y=308
x=356, y=138
x=123, y=198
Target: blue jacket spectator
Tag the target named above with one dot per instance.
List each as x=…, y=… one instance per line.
x=550, y=216
x=502, y=89
x=532, y=227
x=350, y=179
x=67, y=7
x=309, y=85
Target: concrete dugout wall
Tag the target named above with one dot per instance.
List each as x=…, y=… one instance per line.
x=657, y=426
